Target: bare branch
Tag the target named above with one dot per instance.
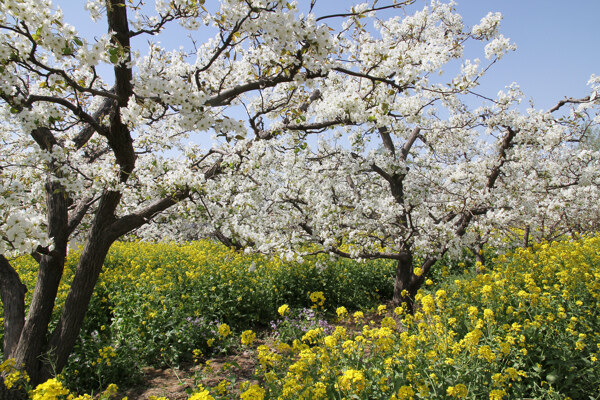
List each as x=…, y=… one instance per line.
x=225, y=97
x=409, y=142
x=355, y=14
x=142, y=216
x=570, y=100
x=387, y=140
x=86, y=133
x=77, y=215
x=78, y=111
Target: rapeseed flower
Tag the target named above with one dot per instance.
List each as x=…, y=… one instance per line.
x=248, y=337
x=352, y=381
x=52, y=389
x=224, y=330
x=283, y=309
x=254, y=392
x=341, y=312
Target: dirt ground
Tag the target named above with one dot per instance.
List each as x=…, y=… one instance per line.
x=175, y=384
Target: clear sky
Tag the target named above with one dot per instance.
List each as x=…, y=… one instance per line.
x=558, y=45
x=558, y=42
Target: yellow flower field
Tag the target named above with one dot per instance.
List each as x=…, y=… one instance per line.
x=527, y=326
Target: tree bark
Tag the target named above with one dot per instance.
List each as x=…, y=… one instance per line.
x=30, y=349
x=403, y=290
x=12, y=294
x=67, y=330
x=526, y=237
x=11, y=394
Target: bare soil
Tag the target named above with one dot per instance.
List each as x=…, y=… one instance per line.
x=176, y=384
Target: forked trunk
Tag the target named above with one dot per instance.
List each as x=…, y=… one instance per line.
x=65, y=334
x=30, y=350
x=26, y=341
x=403, y=286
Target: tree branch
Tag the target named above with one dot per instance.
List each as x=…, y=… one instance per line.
x=140, y=217
x=119, y=137
x=354, y=14
x=570, y=100
x=78, y=111
x=77, y=215
x=225, y=97
x=86, y=133
x=372, y=78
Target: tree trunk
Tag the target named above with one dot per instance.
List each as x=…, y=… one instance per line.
x=526, y=237
x=11, y=394
x=30, y=349
x=65, y=334
x=403, y=291
x=12, y=294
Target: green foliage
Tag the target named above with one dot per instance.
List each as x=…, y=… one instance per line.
x=525, y=327
x=528, y=328
x=158, y=304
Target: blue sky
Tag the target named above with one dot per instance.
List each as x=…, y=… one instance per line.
x=558, y=42
x=558, y=45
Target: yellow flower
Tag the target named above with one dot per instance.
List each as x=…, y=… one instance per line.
x=388, y=322
x=381, y=309
x=312, y=336
x=110, y=391
x=497, y=394
x=428, y=304
x=317, y=298
x=224, y=330
x=255, y=392
x=405, y=393
x=52, y=389
x=202, y=394
x=488, y=314
x=341, y=312
x=330, y=341
x=319, y=391
x=352, y=381
x=283, y=309
x=418, y=271
x=358, y=316
x=248, y=337
x=486, y=353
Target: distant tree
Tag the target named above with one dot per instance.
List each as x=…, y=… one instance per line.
x=406, y=167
